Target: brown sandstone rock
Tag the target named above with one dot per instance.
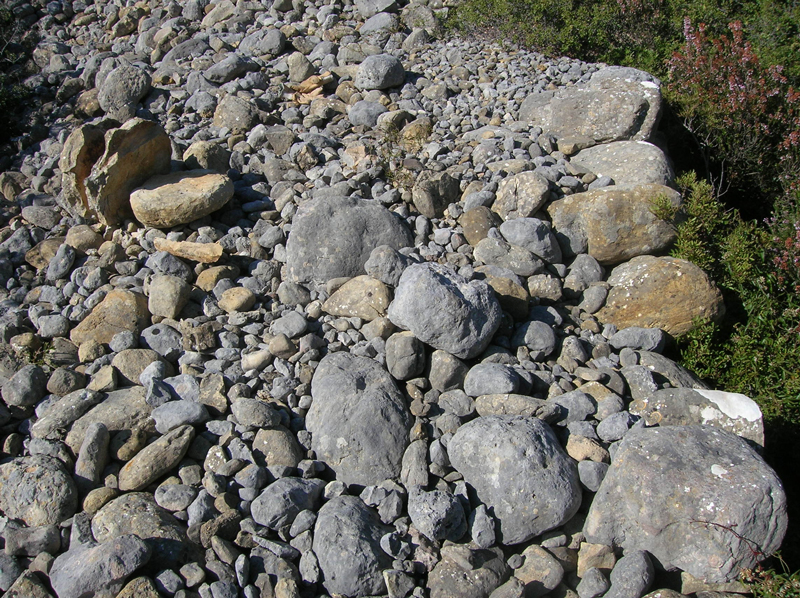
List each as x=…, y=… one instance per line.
x=180, y=197
x=134, y=153
x=613, y=224
x=119, y=311
x=660, y=292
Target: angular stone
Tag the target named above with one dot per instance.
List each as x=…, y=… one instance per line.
x=280, y=502
x=167, y=296
x=117, y=312
x=180, y=197
x=122, y=411
x=708, y=498
x=82, y=149
x=614, y=224
x=514, y=404
x=134, y=153
x=467, y=573
x=660, y=292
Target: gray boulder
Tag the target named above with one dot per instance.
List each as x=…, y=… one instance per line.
x=121, y=91
x=445, y=310
x=358, y=419
x=712, y=505
x=280, y=502
x=618, y=103
x=98, y=569
x=534, y=235
x=37, y=490
x=526, y=477
x=334, y=236
x=380, y=71
x=366, y=113
x=347, y=539
x=26, y=387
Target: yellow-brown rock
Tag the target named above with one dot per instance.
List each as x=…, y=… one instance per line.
x=119, y=311
x=660, y=292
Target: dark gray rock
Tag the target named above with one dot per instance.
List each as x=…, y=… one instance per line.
x=405, y=355
x=358, y=419
x=280, y=502
x=708, y=497
x=591, y=474
x=334, y=236
x=437, y=514
x=481, y=527
x=631, y=576
x=445, y=310
x=347, y=538
x=575, y=406
x=526, y=477
x=366, y=113
x=538, y=337
x=229, y=68
x=30, y=541
x=593, y=584
x=98, y=569
x=26, y=387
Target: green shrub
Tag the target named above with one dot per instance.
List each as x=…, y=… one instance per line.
x=13, y=56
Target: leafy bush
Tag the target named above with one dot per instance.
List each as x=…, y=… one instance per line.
x=746, y=115
x=13, y=56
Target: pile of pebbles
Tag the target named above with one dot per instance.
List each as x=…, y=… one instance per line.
x=372, y=354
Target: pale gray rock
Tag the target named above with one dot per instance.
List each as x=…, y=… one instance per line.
x=490, y=378
x=137, y=513
x=628, y=163
x=730, y=411
x=334, y=237
x=445, y=310
x=527, y=478
x=387, y=264
x=405, y=356
x=358, y=419
x=26, y=387
x=723, y=485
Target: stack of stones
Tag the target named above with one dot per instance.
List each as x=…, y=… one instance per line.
x=305, y=299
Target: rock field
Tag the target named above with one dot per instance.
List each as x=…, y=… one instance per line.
x=311, y=298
